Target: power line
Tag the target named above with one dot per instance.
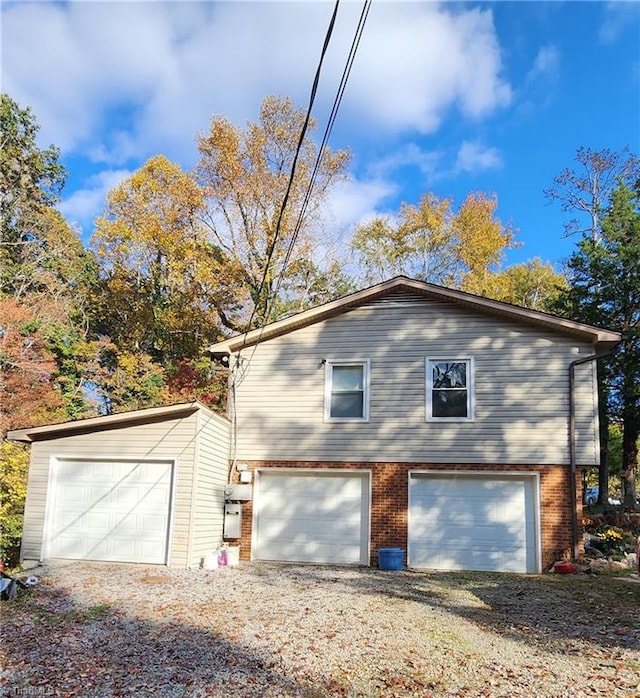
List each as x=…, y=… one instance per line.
x=242, y=367
x=332, y=117
x=303, y=132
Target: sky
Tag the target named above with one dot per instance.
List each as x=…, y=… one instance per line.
x=443, y=97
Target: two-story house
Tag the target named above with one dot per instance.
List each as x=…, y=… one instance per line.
x=405, y=415
x=416, y=416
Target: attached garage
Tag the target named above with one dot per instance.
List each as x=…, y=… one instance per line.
x=111, y=510
x=486, y=522
x=145, y=486
x=319, y=516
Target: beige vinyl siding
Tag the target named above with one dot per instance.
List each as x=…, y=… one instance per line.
x=35, y=502
x=212, y=472
x=521, y=389
x=173, y=439
x=587, y=423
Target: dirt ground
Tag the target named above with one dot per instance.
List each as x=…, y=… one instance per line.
x=98, y=630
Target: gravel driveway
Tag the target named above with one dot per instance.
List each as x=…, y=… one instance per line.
x=95, y=631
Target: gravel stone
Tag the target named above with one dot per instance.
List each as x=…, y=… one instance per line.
x=273, y=630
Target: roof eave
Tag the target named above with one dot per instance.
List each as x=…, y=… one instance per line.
x=31, y=434
x=600, y=337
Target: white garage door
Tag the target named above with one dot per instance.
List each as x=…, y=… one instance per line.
x=110, y=510
x=473, y=522
x=311, y=517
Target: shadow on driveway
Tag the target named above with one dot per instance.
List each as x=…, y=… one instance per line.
x=602, y=611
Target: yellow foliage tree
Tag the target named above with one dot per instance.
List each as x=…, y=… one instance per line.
x=534, y=284
x=463, y=249
x=163, y=282
x=14, y=462
x=480, y=240
x=435, y=243
x=246, y=178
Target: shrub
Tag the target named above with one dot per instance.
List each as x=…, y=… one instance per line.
x=14, y=463
x=613, y=533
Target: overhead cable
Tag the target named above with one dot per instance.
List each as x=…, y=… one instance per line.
x=332, y=117
x=272, y=246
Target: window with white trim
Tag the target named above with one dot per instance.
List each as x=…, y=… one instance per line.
x=449, y=390
x=346, y=391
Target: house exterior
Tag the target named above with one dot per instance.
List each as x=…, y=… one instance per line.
x=406, y=416
x=412, y=416
x=145, y=486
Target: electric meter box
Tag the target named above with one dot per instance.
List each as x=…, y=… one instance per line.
x=237, y=493
x=232, y=520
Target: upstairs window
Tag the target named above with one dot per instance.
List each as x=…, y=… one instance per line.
x=449, y=390
x=347, y=391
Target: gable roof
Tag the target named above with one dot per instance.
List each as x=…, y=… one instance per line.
x=111, y=421
x=601, y=338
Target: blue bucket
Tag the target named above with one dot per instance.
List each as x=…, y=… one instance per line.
x=390, y=558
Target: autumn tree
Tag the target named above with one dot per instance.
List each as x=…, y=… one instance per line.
x=307, y=285
x=481, y=240
x=261, y=217
x=604, y=289
x=41, y=267
x=46, y=269
x=31, y=179
x=584, y=191
x=533, y=284
x=28, y=395
x=162, y=287
x=433, y=242
x=131, y=381
x=419, y=244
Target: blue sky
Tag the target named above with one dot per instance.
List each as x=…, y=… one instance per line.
x=444, y=97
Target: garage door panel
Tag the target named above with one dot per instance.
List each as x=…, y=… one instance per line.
x=320, y=528
x=312, y=517
x=317, y=552
x=478, y=560
x=472, y=522
x=98, y=521
x=115, y=511
x=129, y=525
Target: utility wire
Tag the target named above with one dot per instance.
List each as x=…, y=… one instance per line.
x=303, y=132
x=332, y=117
x=243, y=366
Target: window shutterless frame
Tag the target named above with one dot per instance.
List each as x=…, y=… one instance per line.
x=346, y=391
x=449, y=389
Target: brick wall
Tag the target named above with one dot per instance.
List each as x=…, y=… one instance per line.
x=389, y=498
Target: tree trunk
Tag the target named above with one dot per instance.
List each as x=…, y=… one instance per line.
x=629, y=466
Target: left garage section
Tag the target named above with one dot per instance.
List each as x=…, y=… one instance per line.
x=316, y=516
x=114, y=510
x=145, y=486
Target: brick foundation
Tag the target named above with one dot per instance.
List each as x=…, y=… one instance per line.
x=389, y=493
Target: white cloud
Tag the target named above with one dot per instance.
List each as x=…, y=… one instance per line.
x=618, y=16
x=82, y=206
x=409, y=155
x=357, y=201
x=474, y=157
x=160, y=70
x=546, y=64
x=418, y=60
x=114, y=83
x=538, y=89
x=157, y=70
